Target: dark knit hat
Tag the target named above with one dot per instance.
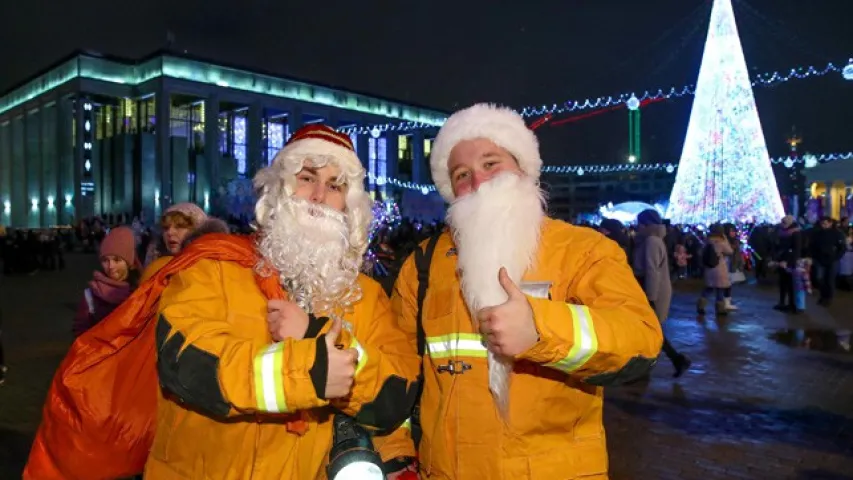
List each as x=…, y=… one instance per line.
x=611, y=225
x=649, y=217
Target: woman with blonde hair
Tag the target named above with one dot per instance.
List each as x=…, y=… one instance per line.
x=176, y=224
x=180, y=224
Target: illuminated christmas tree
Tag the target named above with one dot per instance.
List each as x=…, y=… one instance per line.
x=724, y=173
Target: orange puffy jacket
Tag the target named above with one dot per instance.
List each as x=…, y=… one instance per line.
x=596, y=329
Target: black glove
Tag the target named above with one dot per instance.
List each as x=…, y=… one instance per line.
x=397, y=464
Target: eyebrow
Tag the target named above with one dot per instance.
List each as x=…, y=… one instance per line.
x=490, y=154
x=339, y=180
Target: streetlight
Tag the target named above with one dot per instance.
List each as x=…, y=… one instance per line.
x=632, y=158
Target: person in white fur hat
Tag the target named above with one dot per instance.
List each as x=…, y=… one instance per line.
x=525, y=318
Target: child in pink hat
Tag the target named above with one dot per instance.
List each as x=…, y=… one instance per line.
x=110, y=287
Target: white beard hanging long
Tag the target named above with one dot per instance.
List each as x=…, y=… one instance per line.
x=497, y=226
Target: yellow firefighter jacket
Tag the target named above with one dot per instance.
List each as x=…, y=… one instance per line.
x=596, y=328
x=229, y=392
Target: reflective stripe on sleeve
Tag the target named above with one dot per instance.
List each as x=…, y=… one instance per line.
x=362, y=354
x=407, y=424
x=269, y=389
x=457, y=345
x=585, y=341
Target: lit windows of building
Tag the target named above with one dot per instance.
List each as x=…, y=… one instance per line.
x=405, y=157
x=187, y=121
x=275, y=133
x=238, y=142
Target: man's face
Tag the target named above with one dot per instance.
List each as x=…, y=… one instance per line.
x=322, y=186
x=826, y=224
x=474, y=162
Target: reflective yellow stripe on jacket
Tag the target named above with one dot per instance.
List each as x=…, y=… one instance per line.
x=585, y=341
x=362, y=355
x=471, y=344
x=457, y=345
x=269, y=390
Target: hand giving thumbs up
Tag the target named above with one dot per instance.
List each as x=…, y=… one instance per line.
x=509, y=328
x=342, y=363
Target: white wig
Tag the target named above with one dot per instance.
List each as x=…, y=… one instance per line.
x=279, y=181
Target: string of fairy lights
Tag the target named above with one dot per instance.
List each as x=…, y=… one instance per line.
x=809, y=161
x=761, y=80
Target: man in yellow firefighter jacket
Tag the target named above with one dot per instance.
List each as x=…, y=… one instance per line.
x=526, y=318
x=250, y=380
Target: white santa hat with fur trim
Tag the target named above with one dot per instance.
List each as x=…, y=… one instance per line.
x=501, y=125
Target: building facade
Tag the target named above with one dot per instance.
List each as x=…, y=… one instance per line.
x=94, y=135
x=830, y=189
x=570, y=195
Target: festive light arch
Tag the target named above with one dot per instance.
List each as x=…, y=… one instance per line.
x=581, y=170
x=762, y=80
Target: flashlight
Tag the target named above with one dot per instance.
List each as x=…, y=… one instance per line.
x=352, y=456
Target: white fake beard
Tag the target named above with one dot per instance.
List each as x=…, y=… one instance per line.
x=496, y=226
x=309, y=246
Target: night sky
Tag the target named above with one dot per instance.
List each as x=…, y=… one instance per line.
x=449, y=54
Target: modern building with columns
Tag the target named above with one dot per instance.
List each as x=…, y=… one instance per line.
x=830, y=187
x=94, y=135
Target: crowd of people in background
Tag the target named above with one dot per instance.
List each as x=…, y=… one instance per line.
x=804, y=257
x=821, y=249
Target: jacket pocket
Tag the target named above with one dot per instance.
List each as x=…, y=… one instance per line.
x=583, y=459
